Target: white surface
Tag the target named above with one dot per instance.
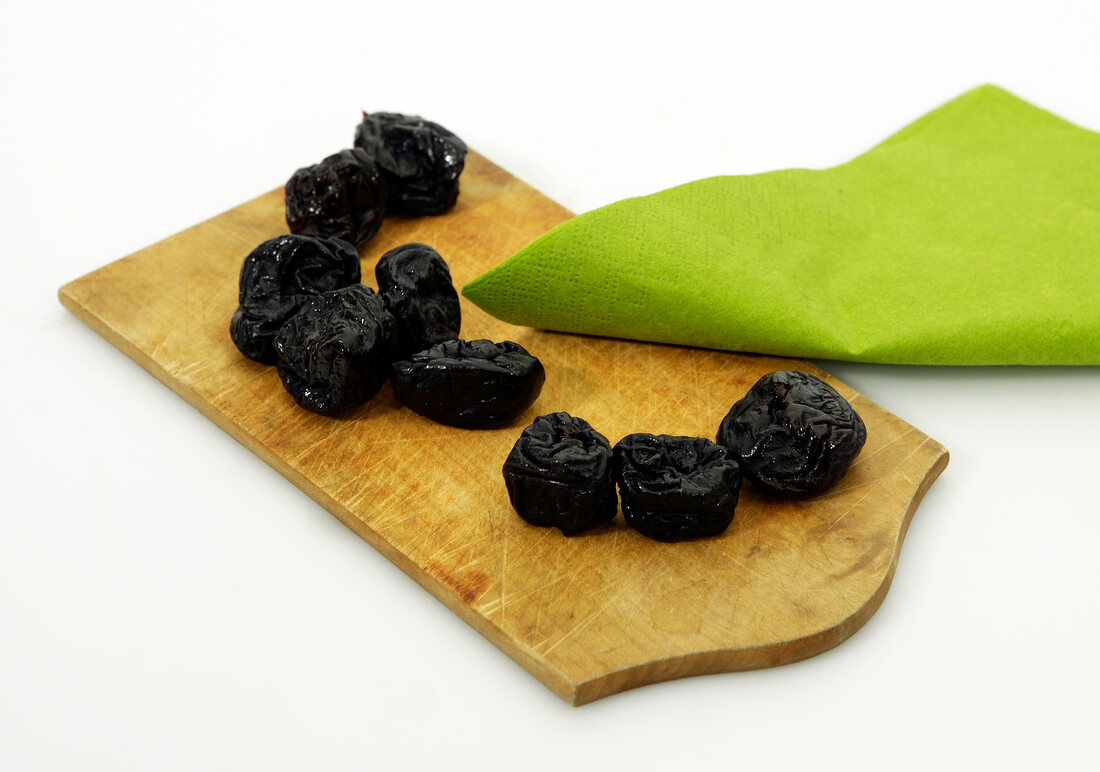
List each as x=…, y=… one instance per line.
x=169, y=602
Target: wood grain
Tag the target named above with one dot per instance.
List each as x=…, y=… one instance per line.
x=590, y=615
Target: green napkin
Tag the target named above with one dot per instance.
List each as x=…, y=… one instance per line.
x=970, y=237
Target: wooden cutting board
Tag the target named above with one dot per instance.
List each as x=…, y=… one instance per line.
x=589, y=615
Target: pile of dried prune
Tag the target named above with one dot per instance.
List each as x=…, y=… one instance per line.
x=421, y=160
x=401, y=164
x=676, y=488
x=335, y=352
x=335, y=341
x=793, y=434
x=473, y=384
x=277, y=277
x=344, y=196
x=559, y=474
x=415, y=283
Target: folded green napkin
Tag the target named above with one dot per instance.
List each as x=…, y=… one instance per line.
x=970, y=237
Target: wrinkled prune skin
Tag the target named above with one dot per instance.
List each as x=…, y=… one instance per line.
x=421, y=160
x=279, y=276
x=559, y=474
x=343, y=196
x=675, y=488
x=415, y=283
x=793, y=434
x=473, y=384
x=335, y=352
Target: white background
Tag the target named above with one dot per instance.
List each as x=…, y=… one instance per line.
x=169, y=602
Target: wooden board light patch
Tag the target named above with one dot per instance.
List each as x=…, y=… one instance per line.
x=589, y=615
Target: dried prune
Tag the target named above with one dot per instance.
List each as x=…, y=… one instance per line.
x=793, y=434
x=344, y=195
x=473, y=384
x=421, y=160
x=335, y=352
x=415, y=283
x=675, y=488
x=559, y=474
x=279, y=276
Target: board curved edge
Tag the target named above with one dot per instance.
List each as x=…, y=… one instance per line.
x=772, y=654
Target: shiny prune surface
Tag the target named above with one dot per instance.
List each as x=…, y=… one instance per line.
x=277, y=277
x=415, y=283
x=473, y=384
x=421, y=160
x=335, y=352
x=343, y=196
x=558, y=474
x=793, y=434
x=675, y=488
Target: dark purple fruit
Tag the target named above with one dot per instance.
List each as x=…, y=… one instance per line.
x=279, y=276
x=335, y=353
x=421, y=160
x=675, y=488
x=793, y=434
x=415, y=283
x=559, y=474
x=473, y=384
x=343, y=196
